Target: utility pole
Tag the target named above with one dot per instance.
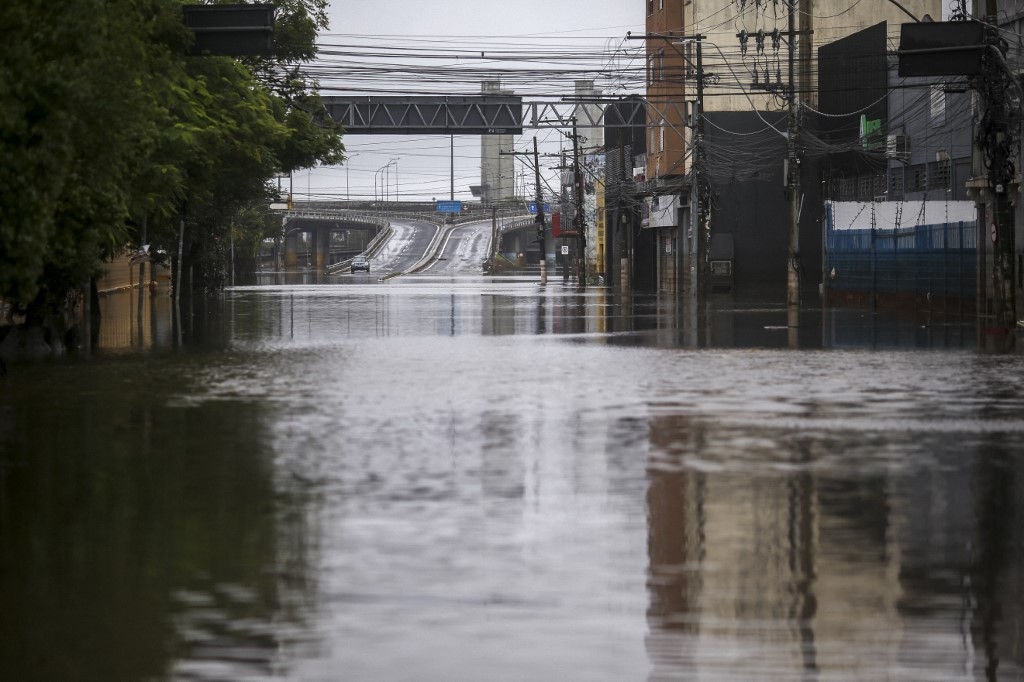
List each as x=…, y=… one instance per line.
x=452, y=148
x=541, y=229
x=579, y=221
x=697, y=214
x=792, y=181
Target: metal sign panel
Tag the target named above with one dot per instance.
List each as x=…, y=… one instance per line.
x=437, y=115
x=448, y=206
x=941, y=48
x=231, y=30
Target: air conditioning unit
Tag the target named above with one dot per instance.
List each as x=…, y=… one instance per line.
x=897, y=147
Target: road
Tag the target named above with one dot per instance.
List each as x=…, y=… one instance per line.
x=405, y=247
x=464, y=251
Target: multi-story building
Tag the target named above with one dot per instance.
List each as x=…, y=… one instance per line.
x=744, y=58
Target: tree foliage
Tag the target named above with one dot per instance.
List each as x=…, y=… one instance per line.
x=106, y=124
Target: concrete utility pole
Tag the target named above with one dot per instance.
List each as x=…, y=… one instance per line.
x=541, y=228
x=792, y=179
x=995, y=135
x=976, y=49
x=579, y=221
x=697, y=213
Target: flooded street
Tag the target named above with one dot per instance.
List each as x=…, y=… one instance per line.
x=446, y=477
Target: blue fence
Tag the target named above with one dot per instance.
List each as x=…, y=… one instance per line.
x=937, y=260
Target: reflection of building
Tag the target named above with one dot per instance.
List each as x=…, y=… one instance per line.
x=841, y=571
x=497, y=170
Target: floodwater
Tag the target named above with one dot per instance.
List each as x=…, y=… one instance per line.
x=457, y=478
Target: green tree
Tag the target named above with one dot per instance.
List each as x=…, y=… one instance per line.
x=106, y=124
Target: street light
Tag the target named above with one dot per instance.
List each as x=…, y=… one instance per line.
x=379, y=171
x=385, y=184
x=348, y=194
x=395, y=161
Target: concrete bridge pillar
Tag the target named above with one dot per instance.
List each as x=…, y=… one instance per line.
x=321, y=248
x=291, y=249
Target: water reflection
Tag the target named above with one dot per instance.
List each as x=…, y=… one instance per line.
x=140, y=537
x=793, y=570
x=474, y=479
x=478, y=305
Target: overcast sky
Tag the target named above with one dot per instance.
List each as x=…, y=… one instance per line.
x=422, y=166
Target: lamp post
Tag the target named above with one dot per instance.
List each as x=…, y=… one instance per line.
x=395, y=161
x=348, y=193
x=386, y=180
x=379, y=171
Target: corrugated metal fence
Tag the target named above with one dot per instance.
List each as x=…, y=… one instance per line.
x=934, y=259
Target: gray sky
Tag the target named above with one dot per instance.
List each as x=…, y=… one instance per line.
x=421, y=170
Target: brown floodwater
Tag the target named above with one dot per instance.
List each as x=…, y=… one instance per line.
x=443, y=478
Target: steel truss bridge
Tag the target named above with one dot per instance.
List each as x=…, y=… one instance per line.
x=497, y=114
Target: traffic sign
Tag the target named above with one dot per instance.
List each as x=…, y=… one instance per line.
x=448, y=206
x=565, y=249
x=533, y=207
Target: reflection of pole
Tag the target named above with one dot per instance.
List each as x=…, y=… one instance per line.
x=622, y=220
x=143, y=288
x=540, y=217
x=177, y=284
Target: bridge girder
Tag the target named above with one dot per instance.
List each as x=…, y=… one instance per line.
x=496, y=114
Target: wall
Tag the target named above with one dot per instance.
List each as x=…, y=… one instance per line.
x=745, y=170
x=667, y=79
x=829, y=20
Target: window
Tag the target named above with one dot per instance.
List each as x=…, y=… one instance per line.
x=917, y=178
x=896, y=182
x=661, y=65
x=650, y=7
x=938, y=174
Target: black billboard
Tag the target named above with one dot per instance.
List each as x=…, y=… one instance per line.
x=942, y=48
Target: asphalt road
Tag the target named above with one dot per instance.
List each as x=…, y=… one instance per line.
x=464, y=251
x=404, y=249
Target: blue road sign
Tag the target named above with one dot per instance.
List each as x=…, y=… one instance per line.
x=533, y=207
x=448, y=206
